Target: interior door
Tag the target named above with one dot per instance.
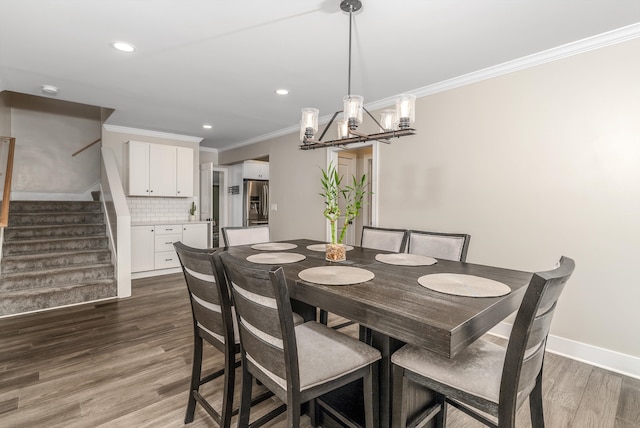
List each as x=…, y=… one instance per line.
x=346, y=169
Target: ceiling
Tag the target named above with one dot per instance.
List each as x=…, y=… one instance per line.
x=219, y=61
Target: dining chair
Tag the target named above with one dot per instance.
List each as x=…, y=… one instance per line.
x=245, y=235
x=298, y=363
x=487, y=377
x=447, y=246
x=213, y=322
x=384, y=239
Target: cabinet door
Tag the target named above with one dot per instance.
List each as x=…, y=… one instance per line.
x=142, y=248
x=138, y=168
x=184, y=171
x=195, y=235
x=162, y=170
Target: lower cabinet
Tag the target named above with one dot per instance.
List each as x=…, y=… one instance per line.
x=152, y=246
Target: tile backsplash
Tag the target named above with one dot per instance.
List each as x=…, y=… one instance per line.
x=145, y=209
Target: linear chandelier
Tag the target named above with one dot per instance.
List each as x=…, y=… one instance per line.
x=394, y=123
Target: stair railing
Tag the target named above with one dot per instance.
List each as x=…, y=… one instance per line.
x=87, y=146
x=6, y=170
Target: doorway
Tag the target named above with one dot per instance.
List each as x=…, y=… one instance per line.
x=357, y=161
x=213, y=199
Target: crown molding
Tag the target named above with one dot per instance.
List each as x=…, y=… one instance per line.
x=609, y=38
x=208, y=149
x=148, y=133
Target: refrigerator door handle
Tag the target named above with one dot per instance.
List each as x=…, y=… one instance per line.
x=265, y=205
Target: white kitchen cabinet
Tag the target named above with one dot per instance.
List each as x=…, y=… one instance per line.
x=142, y=248
x=195, y=235
x=255, y=170
x=158, y=170
x=152, y=246
x=184, y=171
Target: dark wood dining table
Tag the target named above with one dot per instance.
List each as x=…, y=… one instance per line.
x=397, y=308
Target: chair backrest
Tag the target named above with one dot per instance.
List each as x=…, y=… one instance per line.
x=210, y=300
x=528, y=339
x=265, y=322
x=447, y=246
x=384, y=239
x=245, y=235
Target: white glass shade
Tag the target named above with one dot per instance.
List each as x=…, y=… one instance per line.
x=388, y=120
x=343, y=129
x=308, y=123
x=406, y=110
x=353, y=110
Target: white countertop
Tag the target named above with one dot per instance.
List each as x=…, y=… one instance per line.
x=153, y=223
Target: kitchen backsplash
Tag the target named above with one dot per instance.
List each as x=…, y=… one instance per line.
x=159, y=209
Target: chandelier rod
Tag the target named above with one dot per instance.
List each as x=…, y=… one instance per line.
x=349, y=74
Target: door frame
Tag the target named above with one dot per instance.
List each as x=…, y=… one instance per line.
x=332, y=156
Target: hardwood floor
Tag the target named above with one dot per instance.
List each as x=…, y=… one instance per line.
x=127, y=364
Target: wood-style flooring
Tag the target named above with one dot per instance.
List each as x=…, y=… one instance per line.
x=127, y=364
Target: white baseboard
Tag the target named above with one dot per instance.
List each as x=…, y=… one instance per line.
x=158, y=272
x=614, y=361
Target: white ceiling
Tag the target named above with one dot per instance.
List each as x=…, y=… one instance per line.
x=220, y=61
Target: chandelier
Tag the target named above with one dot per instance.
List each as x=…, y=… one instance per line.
x=394, y=123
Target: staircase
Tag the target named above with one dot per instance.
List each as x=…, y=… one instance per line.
x=55, y=253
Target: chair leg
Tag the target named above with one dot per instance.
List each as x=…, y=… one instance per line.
x=196, y=371
x=535, y=403
x=441, y=417
x=229, y=383
x=245, y=397
x=398, y=408
x=293, y=413
x=370, y=396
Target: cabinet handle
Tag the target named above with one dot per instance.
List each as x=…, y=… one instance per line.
x=168, y=260
x=178, y=191
x=169, y=242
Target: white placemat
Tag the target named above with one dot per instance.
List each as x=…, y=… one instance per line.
x=464, y=285
x=274, y=246
x=323, y=247
x=275, y=258
x=404, y=259
x=336, y=275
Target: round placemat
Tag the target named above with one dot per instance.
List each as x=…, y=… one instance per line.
x=275, y=258
x=464, y=285
x=323, y=247
x=274, y=246
x=404, y=259
x=336, y=275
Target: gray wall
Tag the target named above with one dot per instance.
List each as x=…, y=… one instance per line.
x=47, y=133
x=534, y=164
x=5, y=114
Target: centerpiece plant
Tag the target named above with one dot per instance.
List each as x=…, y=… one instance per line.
x=333, y=193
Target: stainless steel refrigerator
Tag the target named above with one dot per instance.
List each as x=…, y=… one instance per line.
x=255, y=207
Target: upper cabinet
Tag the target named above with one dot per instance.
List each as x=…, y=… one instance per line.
x=158, y=170
x=255, y=170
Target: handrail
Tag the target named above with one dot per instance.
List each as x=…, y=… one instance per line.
x=86, y=147
x=6, y=195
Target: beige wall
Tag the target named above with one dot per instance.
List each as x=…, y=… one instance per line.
x=208, y=156
x=5, y=114
x=535, y=164
x=48, y=132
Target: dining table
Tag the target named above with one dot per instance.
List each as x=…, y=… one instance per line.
x=396, y=303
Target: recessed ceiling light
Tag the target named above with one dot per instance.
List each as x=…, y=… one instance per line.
x=282, y=91
x=49, y=89
x=123, y=46
x=207, y=126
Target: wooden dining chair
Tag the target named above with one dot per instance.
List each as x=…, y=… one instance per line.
x=487, y=377
x=245, y=235
x=298, y=363
x=384, y=239
x=213, y=322
x=447, y=246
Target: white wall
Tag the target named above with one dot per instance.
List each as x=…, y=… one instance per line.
x=534, y=164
